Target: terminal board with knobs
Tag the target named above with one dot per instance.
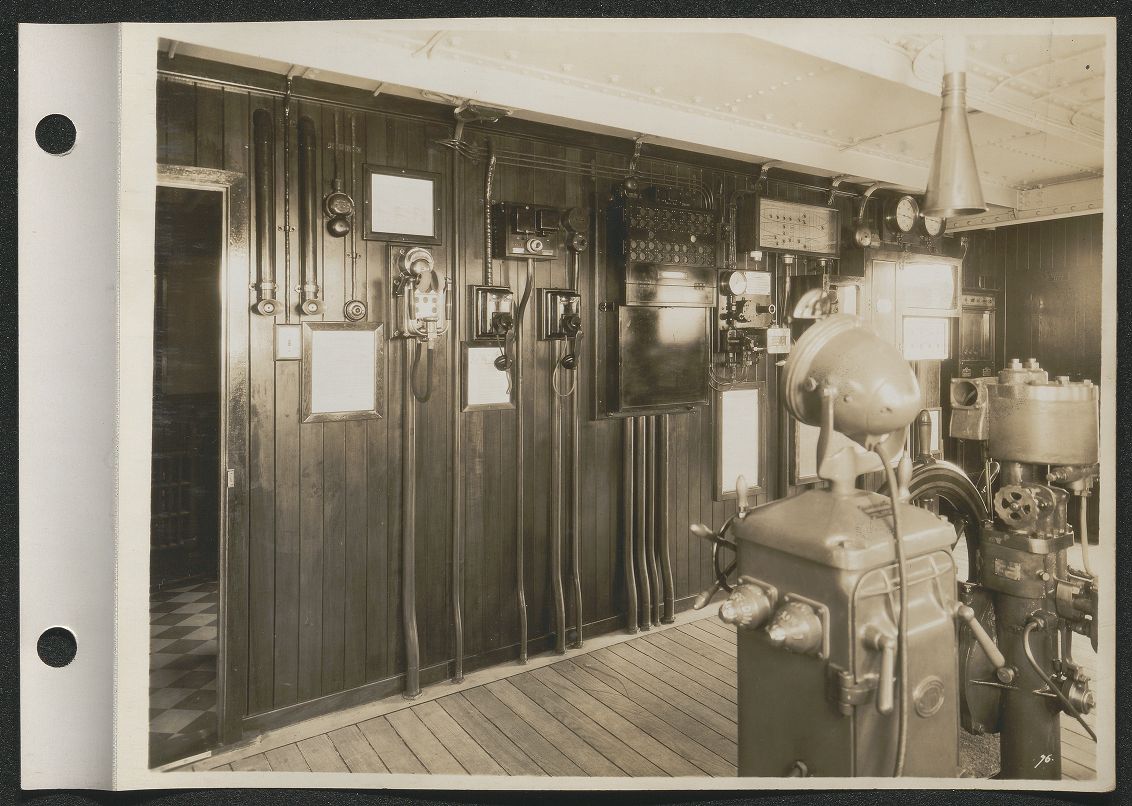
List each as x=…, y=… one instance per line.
x=782, y=226
x=646, y=233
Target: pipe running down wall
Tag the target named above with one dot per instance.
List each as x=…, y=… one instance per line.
x=647, y=554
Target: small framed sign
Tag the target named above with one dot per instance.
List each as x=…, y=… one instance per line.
x=401, y=205
x=485, y=386
x=343, y=371
x=288, y=342
x=740, y=439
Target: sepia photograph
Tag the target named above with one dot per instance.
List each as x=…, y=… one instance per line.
x=671, y=401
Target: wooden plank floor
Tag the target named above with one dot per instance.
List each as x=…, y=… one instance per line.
x=660, y=704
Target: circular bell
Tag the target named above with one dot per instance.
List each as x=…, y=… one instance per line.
x=355, y=310
x=574, y=219
x=338, y=204
x=338, y=226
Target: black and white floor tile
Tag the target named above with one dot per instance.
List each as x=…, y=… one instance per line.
x=182, y=671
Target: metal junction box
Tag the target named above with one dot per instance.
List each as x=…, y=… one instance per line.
x=655, y=314
x=811, y=682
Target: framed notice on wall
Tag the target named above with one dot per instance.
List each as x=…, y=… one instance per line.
x=740, y=439
x=343, y=371
x=402, y=205
x=485, y=385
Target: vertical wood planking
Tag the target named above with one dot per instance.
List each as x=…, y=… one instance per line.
x=261, y=447
x=209, y=131
x=324, y=499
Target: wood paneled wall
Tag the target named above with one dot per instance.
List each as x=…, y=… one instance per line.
x=1050, y=274
x=323, y=585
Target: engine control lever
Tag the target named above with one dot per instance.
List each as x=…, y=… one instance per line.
x=876, y=638
x=994, y=654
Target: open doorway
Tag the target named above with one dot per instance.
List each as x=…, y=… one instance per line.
x=186, y=509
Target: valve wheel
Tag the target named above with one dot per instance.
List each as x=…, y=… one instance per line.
x=721, y=574
x=1016, y=506
x=717, y=540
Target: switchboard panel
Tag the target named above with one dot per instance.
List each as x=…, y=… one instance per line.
x=656, y=315
x=797, y=228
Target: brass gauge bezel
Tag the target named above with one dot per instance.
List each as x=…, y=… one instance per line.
x=893, y=221
x=927, y=231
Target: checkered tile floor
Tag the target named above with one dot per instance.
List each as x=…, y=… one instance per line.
x=182, y=671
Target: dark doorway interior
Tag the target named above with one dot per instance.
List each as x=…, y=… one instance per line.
x=185, y=514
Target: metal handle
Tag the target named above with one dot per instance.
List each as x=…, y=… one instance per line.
x=985, y=641
x=741, y=494
x=886, y=682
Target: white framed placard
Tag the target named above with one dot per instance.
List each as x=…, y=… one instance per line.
x=926, y=338
x=740, y=428
x=288, y=342
x=402, y=205
x=343, y=371
x=485, y=385
x=931, y=285
x=806, y=451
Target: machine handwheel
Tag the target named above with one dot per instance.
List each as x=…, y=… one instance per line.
x=721, y=574
x=717, y=540
x=1016, y=506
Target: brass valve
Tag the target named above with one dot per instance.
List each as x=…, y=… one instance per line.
x=748, y=607
x=796, y=628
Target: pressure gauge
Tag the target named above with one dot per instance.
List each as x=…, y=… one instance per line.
x=735, y=283
x=933, y=225
x=903, y=213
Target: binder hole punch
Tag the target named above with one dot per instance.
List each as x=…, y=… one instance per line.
x=57, y=647
x=56, y=134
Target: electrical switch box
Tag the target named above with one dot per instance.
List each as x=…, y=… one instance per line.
x=493, y=313
x=525, y=231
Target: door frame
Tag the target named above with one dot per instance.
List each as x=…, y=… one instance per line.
x=232, y=542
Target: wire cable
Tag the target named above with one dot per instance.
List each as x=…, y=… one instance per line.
x=902, y=618
x=422, y=397
x=1084, y=533
x=1031, y=625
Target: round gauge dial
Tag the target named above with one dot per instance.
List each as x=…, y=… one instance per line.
x=933, y=225
x=736, y=283
x=904, y=213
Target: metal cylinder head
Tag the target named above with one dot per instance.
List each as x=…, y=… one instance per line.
x=1044, y=423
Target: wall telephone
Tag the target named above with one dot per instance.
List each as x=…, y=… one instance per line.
x=422, y=293
x=560, y=319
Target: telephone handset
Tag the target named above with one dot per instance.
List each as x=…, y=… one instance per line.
x=570, y=325
x=423, y=293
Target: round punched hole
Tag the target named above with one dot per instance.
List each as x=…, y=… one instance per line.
x=56, y=134
x=57, y=647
